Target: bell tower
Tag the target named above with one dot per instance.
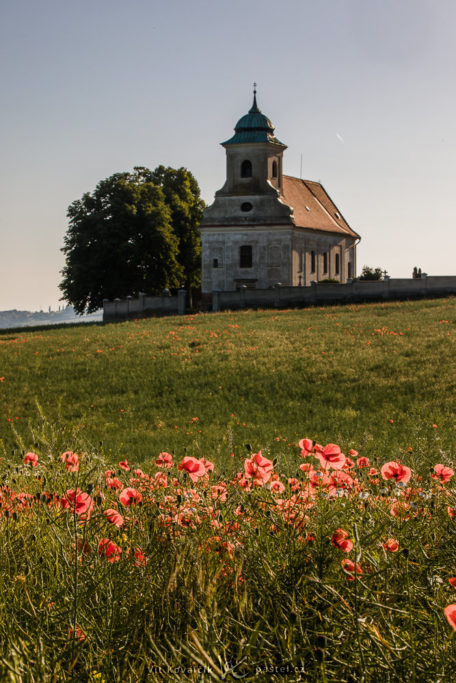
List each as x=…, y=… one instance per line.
x=253, y=155
x=254, y=183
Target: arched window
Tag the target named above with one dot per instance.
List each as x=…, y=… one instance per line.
x=245, y=256
x=312, y=262
x=246, y=169
x=274, y=169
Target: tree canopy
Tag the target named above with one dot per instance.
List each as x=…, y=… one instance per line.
x=137, y=232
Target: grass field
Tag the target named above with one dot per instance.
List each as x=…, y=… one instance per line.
x=335, y=374
x=230, y=569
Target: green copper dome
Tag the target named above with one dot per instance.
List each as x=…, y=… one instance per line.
x=253, y=127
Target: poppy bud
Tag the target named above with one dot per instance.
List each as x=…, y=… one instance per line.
x=321, y=641
x=15, y=516
x=248, y=446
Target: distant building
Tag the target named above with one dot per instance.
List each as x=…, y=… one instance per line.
x=265, y=227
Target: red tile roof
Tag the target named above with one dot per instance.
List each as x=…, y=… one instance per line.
x=313, y=207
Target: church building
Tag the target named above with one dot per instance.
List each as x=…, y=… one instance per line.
x=265, y=227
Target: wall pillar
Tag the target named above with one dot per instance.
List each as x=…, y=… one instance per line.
x=181, y=300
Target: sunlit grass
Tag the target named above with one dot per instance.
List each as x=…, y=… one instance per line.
x=240, y=575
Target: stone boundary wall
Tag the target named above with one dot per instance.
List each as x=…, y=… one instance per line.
x=280, y=296
x=143, y=306
x=357, y=290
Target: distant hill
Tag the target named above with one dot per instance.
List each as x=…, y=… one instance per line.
x=16, y=318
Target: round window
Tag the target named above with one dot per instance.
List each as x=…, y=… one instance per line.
x=246, y=206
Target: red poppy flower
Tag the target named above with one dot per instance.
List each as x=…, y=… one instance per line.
x=331, y=456
x=306, y=446
x=392, y=545
x=452, y=581
x=77, y=633
x=114, y=517
x=277, y=486
x=194, y=467
x=130, y=496
x=139, y=559
x=341, y=540
x=258, y=468
x=124, y=465
x=208, y=465
x=114, y=483
x=79, y=502
x=450, y=613
x=164, y=460
x=31, y=458
x=71, y=461
x=394, y=470
x=351, y=568
x=363, y=462
x=443, y=473
x=110, y=550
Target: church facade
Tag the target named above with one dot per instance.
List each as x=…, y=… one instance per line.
x=265, y=227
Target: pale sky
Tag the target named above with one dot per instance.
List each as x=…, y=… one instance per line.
x=363, y=89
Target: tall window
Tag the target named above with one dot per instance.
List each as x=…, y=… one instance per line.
x=337, y=264
x=246, y=169
x=312, y=262
x=350, y=270
x=245, y=256
x=274, y=169
x=325, y=262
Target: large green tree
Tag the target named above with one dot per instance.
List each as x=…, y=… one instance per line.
x=182, y=194
x=121, y=239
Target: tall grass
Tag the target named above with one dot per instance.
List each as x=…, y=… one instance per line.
x=230, y=573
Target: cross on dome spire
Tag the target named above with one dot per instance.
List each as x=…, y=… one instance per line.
x=254, y=109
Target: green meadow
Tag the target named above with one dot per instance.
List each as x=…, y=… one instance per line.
x=333, y=374
x=281, y=566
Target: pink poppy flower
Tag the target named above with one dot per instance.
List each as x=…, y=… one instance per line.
x=450, y=613
x=139, y=559
x=80, y=503
x=114, y=483
x=443, y=473
x=276, y=486
x=363, y=462
x=110, y=550
x=71, y=461
x=341, y=540
x=124, y=465
x=258, y=468
x=351, y=568
x=331, y=456
x=194, y=467
x=391, y=545
x=130, y=496
x=306, y=446
x=208, y=466
x=31, y=458
x=114, y=517
x=164, y=460
x=394, y=470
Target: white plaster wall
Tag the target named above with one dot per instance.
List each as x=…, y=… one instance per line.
x=271, y=258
